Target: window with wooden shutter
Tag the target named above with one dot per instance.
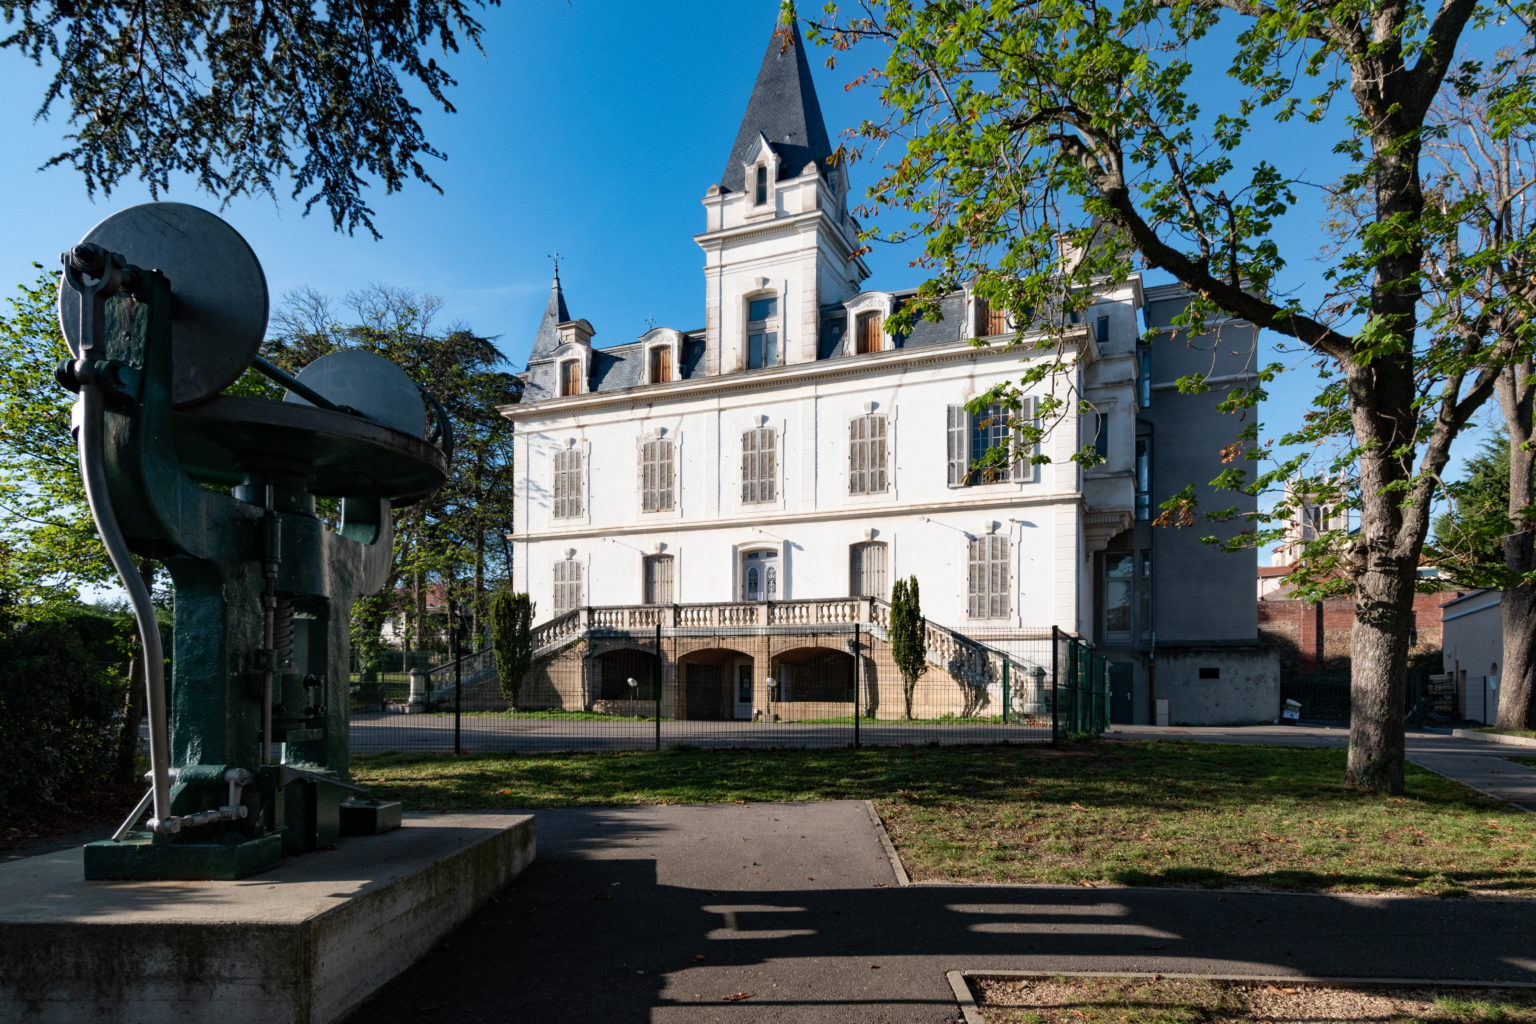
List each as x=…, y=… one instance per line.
x=568, y=484
x=959, y=452
x=1022, y=469
x=567, y=586
x=661, y=365
x=866, y=570
x=988, y=588
x=656, y=476
x=570, y=377
x=866, y=455
x=989, y=321
x=867, y=333
x=658, y=579
x=759, y=466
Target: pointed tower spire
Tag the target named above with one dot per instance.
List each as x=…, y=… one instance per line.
x=548, y=339
x=783, y=109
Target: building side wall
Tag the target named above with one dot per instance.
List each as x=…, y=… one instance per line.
x=1246, y=691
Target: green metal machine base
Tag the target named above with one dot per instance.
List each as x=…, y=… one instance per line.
x=369, y=817
x=139, y=857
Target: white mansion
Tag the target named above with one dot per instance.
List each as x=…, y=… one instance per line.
x=795, y=448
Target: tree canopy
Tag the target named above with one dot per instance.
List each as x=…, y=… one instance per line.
x=242, y=96
x=1046, y=147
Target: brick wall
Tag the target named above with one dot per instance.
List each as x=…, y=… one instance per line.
x=1315, y=637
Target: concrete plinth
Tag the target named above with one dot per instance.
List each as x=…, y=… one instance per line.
x=304, y=942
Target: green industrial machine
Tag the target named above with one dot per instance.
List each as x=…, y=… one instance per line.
x=164, y=306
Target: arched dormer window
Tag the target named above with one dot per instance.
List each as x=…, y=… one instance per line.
x=662, y=349
x=762, y=336
x=570, y=377
x=868, y=314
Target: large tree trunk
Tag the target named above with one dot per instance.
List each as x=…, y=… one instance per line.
x=1517, y=682
x=1378, y=676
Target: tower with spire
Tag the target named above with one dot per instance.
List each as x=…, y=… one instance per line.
x=778, y=237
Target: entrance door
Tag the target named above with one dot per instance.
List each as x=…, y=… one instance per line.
x=760, y=576
x=744, y=691
x=704, y=692
x=1122, y=687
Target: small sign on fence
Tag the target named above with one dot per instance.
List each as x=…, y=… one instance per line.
x=1291, y=712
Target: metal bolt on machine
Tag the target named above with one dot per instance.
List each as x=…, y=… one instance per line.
x=164, y=306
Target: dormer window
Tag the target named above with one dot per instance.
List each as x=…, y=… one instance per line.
x=661, y=364
x=762, y=332
x=867, y=316
x=760, y=189
x=570, y=377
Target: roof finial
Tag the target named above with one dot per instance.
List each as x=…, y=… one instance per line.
x=556, y=257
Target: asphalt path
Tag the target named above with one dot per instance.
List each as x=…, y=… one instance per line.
x=774, y=912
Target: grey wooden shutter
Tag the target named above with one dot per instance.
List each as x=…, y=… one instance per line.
x=877, y=454
x=560, y=502
x=976, y=578
x=959, y=445
x=749, y=466
x=998, y=578
x=1022, y=469
x=858, y=456
x=575, y=485
x=664, y=475
x=768, y=487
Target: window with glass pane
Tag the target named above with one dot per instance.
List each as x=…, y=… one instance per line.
x=989, y=577
x=867, y=333
x=760, y=190
x=661, y=365
x=1100, y=423
x=568, y=485
x=658, y=579
x=762, y=332
x=567, y=586
x=1143, y=478
x=656, y=475
x=759, y=465
x=1144, y=374
x=866, y=570
x=1144, y=592
x=1119, y=581
x=972, y=435
x=866, y=455
x=570, y=377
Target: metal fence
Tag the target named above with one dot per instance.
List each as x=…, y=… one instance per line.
x=809, y=686
x=1325, y=697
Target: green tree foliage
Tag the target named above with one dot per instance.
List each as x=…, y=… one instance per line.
x=48, y=544
x=61, y=696
x=1046, y=147
x=241, y=96
x=1469, y=540
x=512, y=641
x=454, y=540
x=909, y=636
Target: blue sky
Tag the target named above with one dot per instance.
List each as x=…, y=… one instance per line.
x=592, y=128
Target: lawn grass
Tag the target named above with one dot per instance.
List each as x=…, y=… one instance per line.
x=1529, y=734
x=1162, y=1000
x=1107, y=812
x=1522, y=759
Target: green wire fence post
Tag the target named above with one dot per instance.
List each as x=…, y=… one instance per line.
x=858, y=683
x=1005, y=691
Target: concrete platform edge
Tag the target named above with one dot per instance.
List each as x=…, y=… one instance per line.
x=305, y=943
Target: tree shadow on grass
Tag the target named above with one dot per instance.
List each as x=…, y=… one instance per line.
x=1443, y=883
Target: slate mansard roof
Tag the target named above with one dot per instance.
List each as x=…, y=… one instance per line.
x=623, y=366
x=783, y=108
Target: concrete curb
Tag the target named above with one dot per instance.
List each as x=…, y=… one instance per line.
x=960, y=982
x=887, y=845
x=1493, y=737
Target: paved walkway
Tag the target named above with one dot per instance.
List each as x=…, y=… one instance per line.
x=772, y=912
x=1483, y=766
